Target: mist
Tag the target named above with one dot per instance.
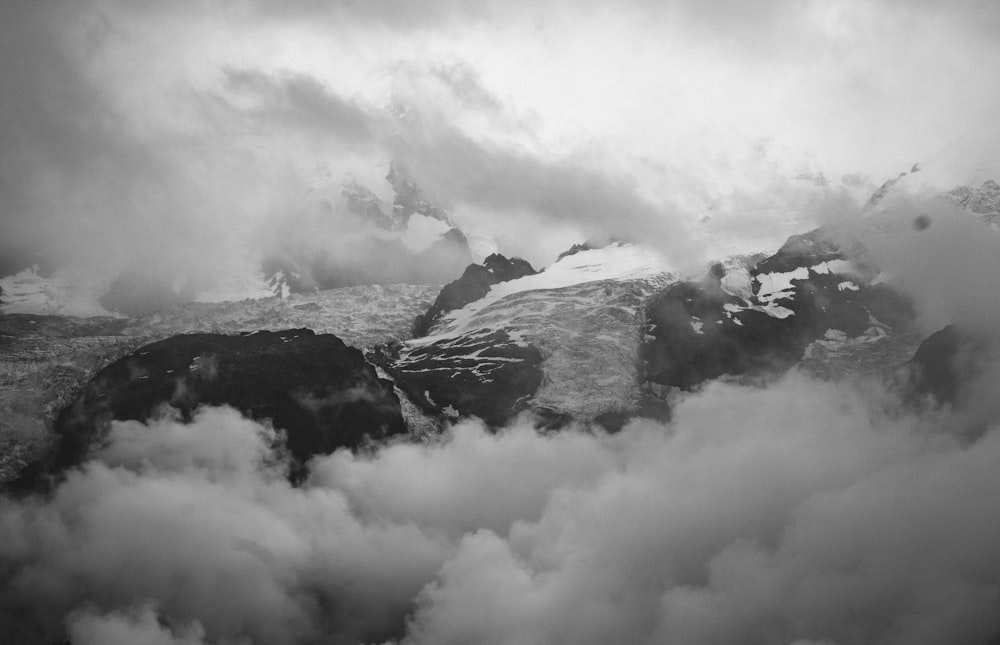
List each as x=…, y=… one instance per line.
x=169, y=143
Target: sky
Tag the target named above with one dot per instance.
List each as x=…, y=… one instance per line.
x=182, y=139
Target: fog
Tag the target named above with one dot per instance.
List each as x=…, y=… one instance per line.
x=172, y=141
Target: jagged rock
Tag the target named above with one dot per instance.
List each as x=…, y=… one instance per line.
x=983, y=201
x=806, y=291
x=409, y=199
x=486, y=373
x=574, y=329
x=884, y=189
x=573, y=250
x=320, y=391
x=473, y=285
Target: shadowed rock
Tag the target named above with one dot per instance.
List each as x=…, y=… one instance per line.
x=473, y=285
x=315, y=388
x=700, y=330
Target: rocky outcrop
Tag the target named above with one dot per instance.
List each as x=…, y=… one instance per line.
x=984, y=201
x=486, y=373
x=409, y=199
x=886, y=187
x=315, y=388
x=813, y=288
x=573, y=250
x=562, y=343
x=946, y=363
x=473, y=285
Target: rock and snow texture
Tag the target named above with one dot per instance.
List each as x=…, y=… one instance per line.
x=315, y=388
x=581, y=317
x=476, y=282
x=765, y=318
x=973, y=190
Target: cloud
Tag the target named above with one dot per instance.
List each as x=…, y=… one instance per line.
x=137, y=627
x=299, y=102
x=947, y=267
x=804, y=511
x=174, y=144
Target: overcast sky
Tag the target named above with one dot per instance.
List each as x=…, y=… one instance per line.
x=180, y=133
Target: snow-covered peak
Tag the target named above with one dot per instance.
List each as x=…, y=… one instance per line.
x=619, y=261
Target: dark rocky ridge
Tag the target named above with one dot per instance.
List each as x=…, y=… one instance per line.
x=320, y=391
x=473, y=285
x=698, y=331
x=486, y=374
x=946, y=363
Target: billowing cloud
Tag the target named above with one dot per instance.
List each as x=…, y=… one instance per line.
x=802, y=512
x=172, y=142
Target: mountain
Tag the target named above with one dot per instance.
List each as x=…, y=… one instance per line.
x=602, y=335
x=474, y=284
x=762, y=318
x=316, y=389
x=411, y=240
x=562, y=342
x=46, y=361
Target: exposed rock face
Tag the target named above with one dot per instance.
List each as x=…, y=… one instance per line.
x=409, y=199
x=562, y=343
x=485, y=373
x=764, y=321
x=983, y=201
x=946, y=363
x=886, y=187
x=473, y=285
x=318, y=390
x=573, y=250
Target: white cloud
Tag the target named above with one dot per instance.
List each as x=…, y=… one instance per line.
x=802, y=511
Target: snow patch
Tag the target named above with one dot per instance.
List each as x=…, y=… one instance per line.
x=615, y=262
x=777, y=286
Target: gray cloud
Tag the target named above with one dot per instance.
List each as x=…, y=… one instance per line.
x=298, y=102
x=948, y=268
x=801, y=512
x=506, y=182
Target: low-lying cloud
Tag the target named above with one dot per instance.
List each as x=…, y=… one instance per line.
x=806, y=511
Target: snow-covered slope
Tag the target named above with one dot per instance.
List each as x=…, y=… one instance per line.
x=584, y=314
x=617, y=263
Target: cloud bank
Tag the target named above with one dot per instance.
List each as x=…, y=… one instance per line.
x=804, y=512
